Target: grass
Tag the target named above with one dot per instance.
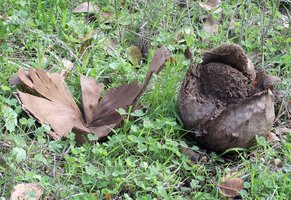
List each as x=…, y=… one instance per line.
x=142, y=158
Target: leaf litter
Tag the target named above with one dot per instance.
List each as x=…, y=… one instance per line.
x=210, y=4
x=230, y=187
x=26, y=191
x=86, y=7
x=56, y=107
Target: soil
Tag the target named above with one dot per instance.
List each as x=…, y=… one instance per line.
x=224, y=83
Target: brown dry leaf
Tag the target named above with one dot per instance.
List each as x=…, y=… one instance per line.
x=68, y=66
x=210, y=4
x=272, y=137
x=91, y=91
x=210, y=25
x=230, y=187
x=108, y=197
x=110, y=46
x=269, y=81
x=162, y=55
x=87, y=7
x=189, y=55
x=106, y=17
x=26, y=191
x=56, y=107
x=134, y=55
x=192, y=155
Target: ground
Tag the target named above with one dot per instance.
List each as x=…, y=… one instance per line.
x=144, y=158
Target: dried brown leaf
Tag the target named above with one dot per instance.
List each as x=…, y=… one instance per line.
x=25, y=79
x=210, y=25
x=110, y=46
x=60, y=117
x=56, y=107
x=91, y=91
x=210, y=4
x=52, y=86
x=24, y=191
x=230, y=187
x=269, y=81
x=68, y=66
x=265, y=81
x=106, y=17
x=112, y=100
x=108, y=197
x=272, y=137
x=14, y=80
x=160, y=58
x=192, y=155
x=189, y=55
x=162, y=55
x=87, y=7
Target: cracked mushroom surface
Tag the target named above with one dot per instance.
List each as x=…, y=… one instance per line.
x=220, y=103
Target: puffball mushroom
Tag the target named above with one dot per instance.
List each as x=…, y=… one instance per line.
x=224, y=102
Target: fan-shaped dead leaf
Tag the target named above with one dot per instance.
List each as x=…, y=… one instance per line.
x=26, y=191
x=86, y=7
x=210, y=4
x=56, y=107
x=230, y=187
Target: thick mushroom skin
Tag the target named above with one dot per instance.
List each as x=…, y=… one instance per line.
x=220, y=105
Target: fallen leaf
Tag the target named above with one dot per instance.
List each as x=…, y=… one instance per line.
x=26, y=191
x=269, y=81
x=87, y=7
x=189, y=55
x=106, y=17
x=265, y=81
x=59, y=110
x=272, y=137
x=162, y=55
x=68, y=66
x=56, y=107
x=283, y=130
x=210, y=4
x=134, y=55
x=230, y=187
x=110, y=46
x=192, y=155
x=210, y=25
x=108, y=197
